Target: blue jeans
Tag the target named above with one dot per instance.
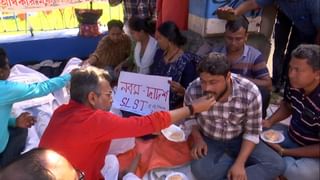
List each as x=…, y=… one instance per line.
x=298, y=168
x=263, y=163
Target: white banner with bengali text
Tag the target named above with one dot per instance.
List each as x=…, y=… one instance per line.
x=142, y=94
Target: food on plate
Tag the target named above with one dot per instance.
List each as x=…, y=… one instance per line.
x=175, y=177
x=178, y=135
x=272, y=135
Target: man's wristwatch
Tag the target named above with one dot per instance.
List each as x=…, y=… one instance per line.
x=191, y=109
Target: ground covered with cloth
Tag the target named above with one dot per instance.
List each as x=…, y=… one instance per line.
x=156, y=153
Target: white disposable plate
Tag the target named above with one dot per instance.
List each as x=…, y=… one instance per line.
x=168, y=132
x=178, y=174
x=264, y=138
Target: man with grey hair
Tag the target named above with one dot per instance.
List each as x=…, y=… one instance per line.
x=301, y=147
x=82, y=130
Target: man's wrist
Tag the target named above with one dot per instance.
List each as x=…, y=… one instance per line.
x=94, y=59
x=269, y=121
x=196, y=136
x=191, y=109
x=281, y=151
x=240, y=162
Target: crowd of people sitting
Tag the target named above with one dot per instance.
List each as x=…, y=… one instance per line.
x=219, y=95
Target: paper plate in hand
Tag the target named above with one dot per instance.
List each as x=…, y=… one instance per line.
x=272, y=136
x=174, y=133
x=176, y=176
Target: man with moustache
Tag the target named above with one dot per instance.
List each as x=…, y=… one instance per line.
x=226, y=137
x=246, y=60
x=82, y=130
x=301, y=147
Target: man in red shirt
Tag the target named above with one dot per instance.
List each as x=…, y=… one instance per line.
x=82, y=130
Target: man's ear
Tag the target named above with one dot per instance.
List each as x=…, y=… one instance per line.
x=318, y=75
x=92, y=97
x=228, y=77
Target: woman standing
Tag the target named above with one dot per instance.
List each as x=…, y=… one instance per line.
x=170, y=60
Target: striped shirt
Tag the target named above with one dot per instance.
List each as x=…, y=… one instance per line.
x=305, y=122
x=251, y=64
x=110, y=53
x=141, y=8
x=241, y=114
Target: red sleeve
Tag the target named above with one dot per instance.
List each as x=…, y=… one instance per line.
x=110, y=126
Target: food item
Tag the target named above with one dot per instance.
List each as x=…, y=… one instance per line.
x=226, y=15
x=178, y=135
x=272, y=135
x=175, y=177
x=209, y=95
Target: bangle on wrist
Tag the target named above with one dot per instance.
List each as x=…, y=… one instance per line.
x=191, y=109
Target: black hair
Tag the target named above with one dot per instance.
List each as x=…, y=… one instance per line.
x=171, y=31
x=115, y=23
x=29, y=166
x=142, y=24
x=214, y=64
x=236, y=24
x=3, y=57
x=310, y=52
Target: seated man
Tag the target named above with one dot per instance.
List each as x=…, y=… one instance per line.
x=82, y=130
x=40, y=164
x=226, y=137
x=13, y=130
x=301, y=147
x=113, y=50
x=245, y=60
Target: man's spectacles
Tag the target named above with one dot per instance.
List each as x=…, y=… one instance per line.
x=108, y=93
x=80, y=174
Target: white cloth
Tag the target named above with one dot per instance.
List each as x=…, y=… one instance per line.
x=32, y=140
x=63, y=95
x=41, y=108
x=130, y=176
x=144, y=63
x=21, y=73
x=110, y=169
x=121, y=145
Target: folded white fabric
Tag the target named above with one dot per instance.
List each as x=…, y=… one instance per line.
x=21, y=73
